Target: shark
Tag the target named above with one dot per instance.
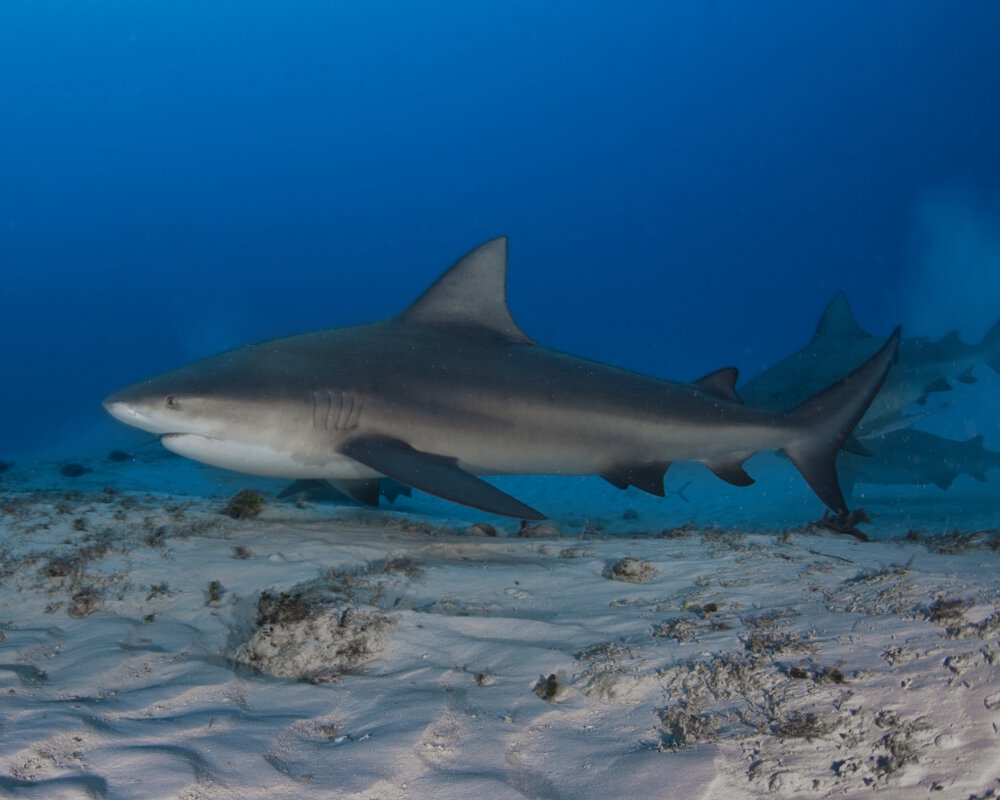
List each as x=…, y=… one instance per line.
x=452, y=391
x=924, y=367
x=913, y=456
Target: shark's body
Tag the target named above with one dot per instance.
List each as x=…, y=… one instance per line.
x=924, y=366
x=913, y=456
x=452, y=389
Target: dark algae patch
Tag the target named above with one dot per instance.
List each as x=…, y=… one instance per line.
x=245, y=504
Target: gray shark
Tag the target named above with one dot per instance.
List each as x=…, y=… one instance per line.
x=452, y=389
x=924, y=367
x=913, y=456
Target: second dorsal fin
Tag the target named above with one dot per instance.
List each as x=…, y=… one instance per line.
x=721, y=383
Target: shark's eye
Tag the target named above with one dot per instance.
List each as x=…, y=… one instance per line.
x=172, y=401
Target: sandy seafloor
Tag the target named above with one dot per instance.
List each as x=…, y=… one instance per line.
x=151, y=647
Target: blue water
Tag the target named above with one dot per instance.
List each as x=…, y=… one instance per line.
x=685, y=185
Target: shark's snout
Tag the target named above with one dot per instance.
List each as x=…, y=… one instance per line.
x=119, y=409
x=125, y=408
x=123, y=411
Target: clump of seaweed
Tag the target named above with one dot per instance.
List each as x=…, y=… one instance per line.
x=310, y=635
x=85, y=602
x=547, y=688
x=947, y=612
x=631, y=570
x=245, y=504
x=681, y=727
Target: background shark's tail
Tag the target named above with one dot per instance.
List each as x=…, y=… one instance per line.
x=826, y=420
x=990, y=347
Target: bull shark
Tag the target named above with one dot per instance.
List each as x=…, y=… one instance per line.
x=452, y=390
x=913, y=456
x=924, y=367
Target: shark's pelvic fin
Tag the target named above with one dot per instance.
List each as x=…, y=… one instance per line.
x=471, y=294
x=648, y=477
x=434, y=474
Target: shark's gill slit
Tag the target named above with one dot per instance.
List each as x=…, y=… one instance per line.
x=354, y=417
x=345, y=421
x=329, y=409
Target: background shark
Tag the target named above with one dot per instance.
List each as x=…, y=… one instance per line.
x=913, y=456
x=453, y=389
x=924, y=366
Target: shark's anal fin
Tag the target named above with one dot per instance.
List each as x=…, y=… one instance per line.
x=648, y=477
x=730, y=471
x=434, y=474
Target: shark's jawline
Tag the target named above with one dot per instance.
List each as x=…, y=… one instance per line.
x=452, y=387
x=257, y=460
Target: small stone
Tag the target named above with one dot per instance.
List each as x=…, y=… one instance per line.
x=480, y=529
x=542, y=530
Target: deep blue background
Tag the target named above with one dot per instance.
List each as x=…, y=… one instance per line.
x=685, y=184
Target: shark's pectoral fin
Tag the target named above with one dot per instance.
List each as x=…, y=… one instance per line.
x=967, y=377
x=730, y=471
x=434, y=474
x=648, y=477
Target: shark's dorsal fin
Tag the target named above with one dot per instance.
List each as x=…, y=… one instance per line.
x=838, y=321
x=471, y=294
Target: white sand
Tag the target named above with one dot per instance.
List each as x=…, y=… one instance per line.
x=747, y=664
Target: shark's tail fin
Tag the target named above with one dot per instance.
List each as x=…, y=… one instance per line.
x=990, y=347
x=826, y=420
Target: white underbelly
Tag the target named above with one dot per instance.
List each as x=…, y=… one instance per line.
x=256, y=459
